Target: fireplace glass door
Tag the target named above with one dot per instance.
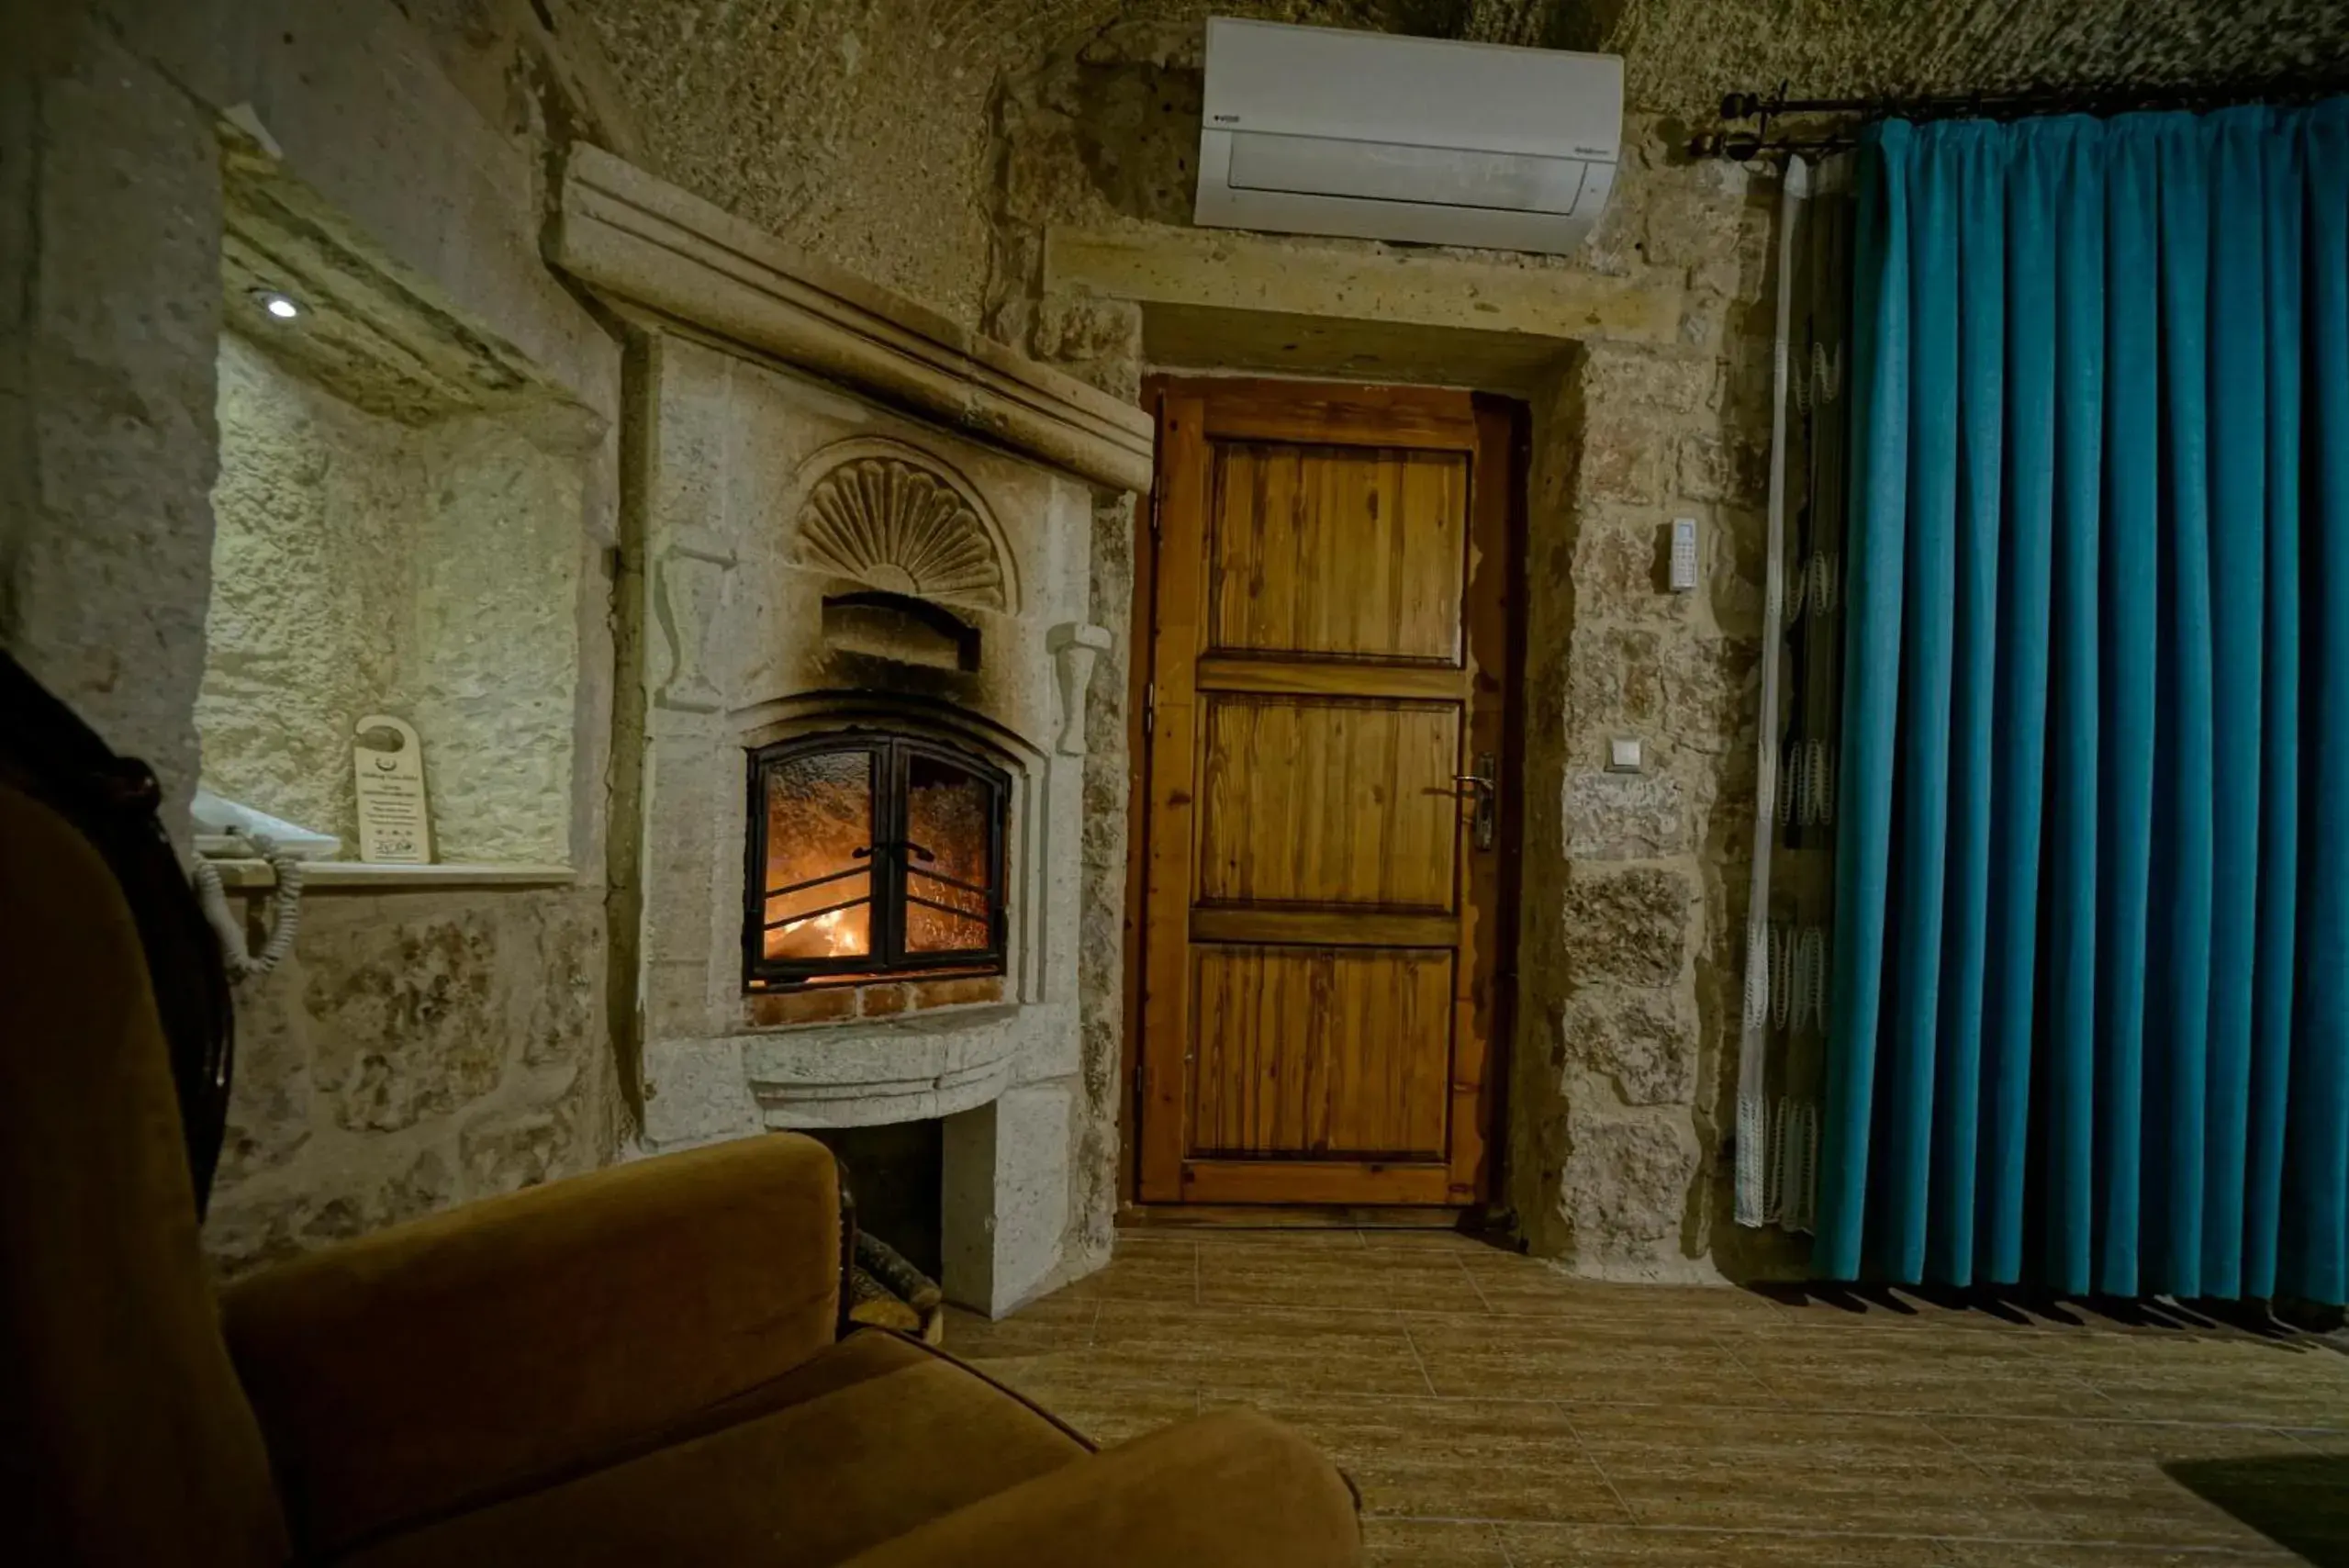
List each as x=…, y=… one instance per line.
x=872, y=858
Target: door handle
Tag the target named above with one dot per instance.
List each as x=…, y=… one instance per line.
x=1482, y=788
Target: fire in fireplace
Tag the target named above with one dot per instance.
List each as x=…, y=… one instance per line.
x=872, y=858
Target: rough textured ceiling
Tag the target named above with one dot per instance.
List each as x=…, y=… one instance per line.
x=1682, y=54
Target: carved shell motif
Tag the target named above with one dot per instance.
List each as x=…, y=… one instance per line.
x=893, y=526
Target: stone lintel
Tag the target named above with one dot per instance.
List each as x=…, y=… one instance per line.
x=1176, y=269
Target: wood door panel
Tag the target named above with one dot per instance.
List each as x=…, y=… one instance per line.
x=1326, y=927
x=1337, y=552
x=1321, y=931
x=1327, y=800
x=1300, y=677
x=1321, y=1052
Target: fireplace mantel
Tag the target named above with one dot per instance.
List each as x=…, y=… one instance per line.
x=637, y=239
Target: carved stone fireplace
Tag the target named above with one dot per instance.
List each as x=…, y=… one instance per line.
x=856, y=583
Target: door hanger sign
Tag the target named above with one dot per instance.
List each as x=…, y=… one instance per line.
x=395, y=829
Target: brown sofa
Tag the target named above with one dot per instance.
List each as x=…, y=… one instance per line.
x=637, y=1367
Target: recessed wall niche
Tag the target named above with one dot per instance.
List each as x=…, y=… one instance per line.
x=396, y=530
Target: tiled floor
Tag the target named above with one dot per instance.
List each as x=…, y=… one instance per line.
x=1498, y=1414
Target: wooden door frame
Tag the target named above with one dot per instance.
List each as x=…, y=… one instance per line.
x=1142, y=642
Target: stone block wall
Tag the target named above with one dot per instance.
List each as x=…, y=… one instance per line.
x=1630, y=955
x=417, y=1050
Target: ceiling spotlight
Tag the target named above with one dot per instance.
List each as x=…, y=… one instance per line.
x=285, y=307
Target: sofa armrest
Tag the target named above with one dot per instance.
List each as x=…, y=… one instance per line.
x=411, y=1372
x=1228, y=1489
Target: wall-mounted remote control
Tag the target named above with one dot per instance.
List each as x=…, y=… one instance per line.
x=1683, y=566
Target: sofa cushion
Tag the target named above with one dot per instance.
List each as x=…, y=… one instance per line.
x=1226, y=1489
x=425, y=1370
x=871, y=1438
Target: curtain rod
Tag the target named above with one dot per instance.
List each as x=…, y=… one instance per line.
x=1741, y=144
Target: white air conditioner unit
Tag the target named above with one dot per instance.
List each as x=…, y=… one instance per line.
x=1316, y=130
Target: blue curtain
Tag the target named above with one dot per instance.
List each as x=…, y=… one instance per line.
x=2090, y=1024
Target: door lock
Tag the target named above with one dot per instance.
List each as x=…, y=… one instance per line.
x=1482, y=788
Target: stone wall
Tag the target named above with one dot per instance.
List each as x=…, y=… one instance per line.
x=1095, y=1150
x=859, y=130
x=417, y=1050
x=365, y=565
x=308, y=612
x=110, y=268
x=855, y=130
x=1631, y=959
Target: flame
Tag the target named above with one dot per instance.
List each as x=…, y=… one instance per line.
x=832, y=927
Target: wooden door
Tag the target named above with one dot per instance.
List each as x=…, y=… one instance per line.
x=1323, y=904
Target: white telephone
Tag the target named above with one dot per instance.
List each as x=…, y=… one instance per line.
x=226, y=830
x=229, y=829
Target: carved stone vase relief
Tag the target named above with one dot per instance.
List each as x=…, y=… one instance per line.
x=692, y=582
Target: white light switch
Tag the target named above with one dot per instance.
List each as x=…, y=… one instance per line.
x=1683, y=565
x=1623, y=755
